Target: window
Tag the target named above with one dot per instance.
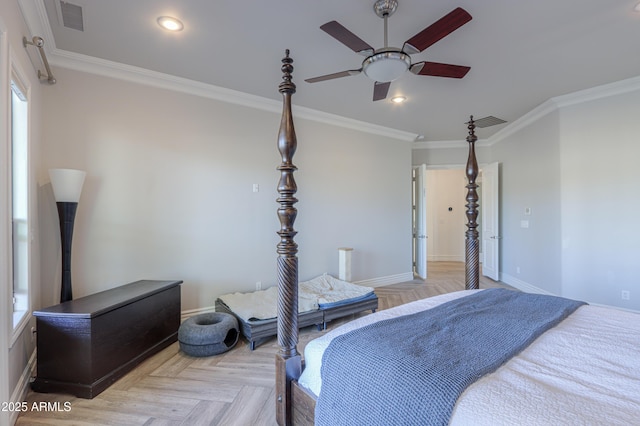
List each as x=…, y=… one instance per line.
x=19, y=200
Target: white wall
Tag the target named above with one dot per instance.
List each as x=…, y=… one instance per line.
x=573, y=162
x=530, y=178
x=575, y=168
x=168, y=193
x=600, y=203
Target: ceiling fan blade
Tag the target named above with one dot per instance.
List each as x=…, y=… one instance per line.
x=439, y=70
x=334, y=75
x=380, y=90
x=437, y=31
x=346, y=37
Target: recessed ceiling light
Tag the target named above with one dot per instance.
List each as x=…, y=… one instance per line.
x=169, y=23
x=398, y=99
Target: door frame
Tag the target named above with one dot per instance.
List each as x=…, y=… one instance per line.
x=419, y=220
x=490, y=221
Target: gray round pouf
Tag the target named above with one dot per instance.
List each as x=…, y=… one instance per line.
x=208, y=334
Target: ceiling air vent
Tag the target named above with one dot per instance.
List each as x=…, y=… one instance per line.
x=488, y=121
x=71, y=16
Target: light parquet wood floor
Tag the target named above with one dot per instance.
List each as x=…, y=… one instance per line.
x=235, y=388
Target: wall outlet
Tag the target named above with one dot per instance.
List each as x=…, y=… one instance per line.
x=258, y=285
x=625, y=295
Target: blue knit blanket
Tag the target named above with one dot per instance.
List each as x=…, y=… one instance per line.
x=411, y=370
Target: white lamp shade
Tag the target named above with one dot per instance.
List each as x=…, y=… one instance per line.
x=67, y=184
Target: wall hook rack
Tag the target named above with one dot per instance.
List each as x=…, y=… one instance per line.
x=39, y=43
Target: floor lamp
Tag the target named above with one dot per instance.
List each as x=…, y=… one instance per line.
x=67, y=185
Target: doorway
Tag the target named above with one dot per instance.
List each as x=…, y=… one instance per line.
x=439, y=208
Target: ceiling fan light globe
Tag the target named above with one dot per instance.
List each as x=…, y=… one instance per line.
x=386, y=66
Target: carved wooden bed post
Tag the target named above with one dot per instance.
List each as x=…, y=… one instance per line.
x=288, y=360
x=472, y=249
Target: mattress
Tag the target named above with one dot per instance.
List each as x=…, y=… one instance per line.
x=322, y=292
x=583, y=371
x=263, y=304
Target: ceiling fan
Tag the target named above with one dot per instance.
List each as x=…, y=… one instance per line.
x=388, y=63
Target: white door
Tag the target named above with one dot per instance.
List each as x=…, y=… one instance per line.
x=420, y=221
x=490, y=221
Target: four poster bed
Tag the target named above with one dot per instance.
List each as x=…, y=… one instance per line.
x=474, y=356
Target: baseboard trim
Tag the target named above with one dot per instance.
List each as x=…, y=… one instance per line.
x=388, y=280
x=522, y=285
x=528, y=288
x=191, y=312
x=602, y=305
x=21, y=389
x=445, y=258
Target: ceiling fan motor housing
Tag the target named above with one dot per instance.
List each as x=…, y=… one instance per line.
x=385, y=7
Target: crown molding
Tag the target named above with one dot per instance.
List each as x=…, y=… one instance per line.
x=598, y=92
x=92, y=65
x=563, y=101
x=551, y=105
x=529, y=118
x=35, y=16
x=448, y=144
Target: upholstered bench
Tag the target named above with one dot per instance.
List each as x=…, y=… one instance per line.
x=208, y=334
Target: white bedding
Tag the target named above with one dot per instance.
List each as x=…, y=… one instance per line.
x=328, y=290
x=263, y=304
x=585, y=371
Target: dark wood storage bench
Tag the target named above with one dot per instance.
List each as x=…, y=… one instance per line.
x=86, y=344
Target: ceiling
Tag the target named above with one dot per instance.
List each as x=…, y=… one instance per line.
x=521, y=53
